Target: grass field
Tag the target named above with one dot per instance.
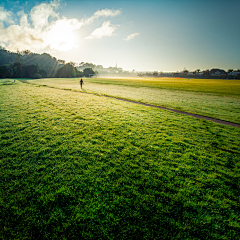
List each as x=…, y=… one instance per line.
x=81, y=166
x=214, y=98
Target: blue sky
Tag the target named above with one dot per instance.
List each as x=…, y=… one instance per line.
x=161, y=35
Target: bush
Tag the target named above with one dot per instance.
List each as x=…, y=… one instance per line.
x=36, y=76
x=88, y=71
x=43, y=73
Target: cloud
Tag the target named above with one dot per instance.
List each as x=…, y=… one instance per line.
x=23, y=36
x=5, y=16
x=19, y=37
x=41, y=13
x=103, y=13
x=43, y=28
x=131, y=36
x=106, y=30
x=23, y=19
x=107, y=13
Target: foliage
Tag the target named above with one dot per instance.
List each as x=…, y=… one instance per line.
x=213, y=70
x=6, y=57
x=20, y=70
x=44, y=61
x=6, y=71
x=67, y=71
x=88, y=71
x=43, y=73
x=36, y=76
x=17, y=70
x=31, y=70
x=79, y=166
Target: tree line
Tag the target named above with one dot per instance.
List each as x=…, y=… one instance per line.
x=214, y=73
x=26, y=64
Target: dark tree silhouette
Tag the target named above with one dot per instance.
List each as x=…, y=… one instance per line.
x=6, y=71
x=155, y=74
x=67, y=71
x=88, y=71
x=30, y=70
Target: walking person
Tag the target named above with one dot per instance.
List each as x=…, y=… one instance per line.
x=81, y=83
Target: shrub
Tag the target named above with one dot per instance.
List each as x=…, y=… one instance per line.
x=36, y=76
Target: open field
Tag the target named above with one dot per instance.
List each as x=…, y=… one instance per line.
x=83, y=166
x=214, y=98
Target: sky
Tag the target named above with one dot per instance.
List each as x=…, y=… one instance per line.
x=140, y=35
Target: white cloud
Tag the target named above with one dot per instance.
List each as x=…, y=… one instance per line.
x=43, y=28
x=131, y=36
x=103, y=13
x=5, y=16
x=41, y=13
x=107, y=13
x=19, y=37
x=23, y=19
x=105, y=30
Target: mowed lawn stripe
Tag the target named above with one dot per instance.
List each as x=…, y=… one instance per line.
x=219, y=121
x=213, y=98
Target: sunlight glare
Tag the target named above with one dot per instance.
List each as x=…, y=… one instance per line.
x=61, y=35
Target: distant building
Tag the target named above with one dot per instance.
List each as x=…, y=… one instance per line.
x=235, y=73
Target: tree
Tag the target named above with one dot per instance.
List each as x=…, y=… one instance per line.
x=72, y=63
x=6, y=71
x=6, y=57
x=237, y=76
x=148, y=74
x=61, y=61
x=176, y=74
x=206, y=74
x=88, y=71
x=214, y=70
x=26, y=53
x=43, y=73
x=36, y=75
x=18, y=57
x=17, y=70
x=155, y=74
x=99, y=67
x=30, y=70
x=80, y=74
x=185, y=72
x=67, y=71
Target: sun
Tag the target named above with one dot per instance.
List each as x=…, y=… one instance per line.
x=61, y=36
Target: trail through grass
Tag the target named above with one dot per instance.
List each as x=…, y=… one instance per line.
x=220, y=100
x=82, y=166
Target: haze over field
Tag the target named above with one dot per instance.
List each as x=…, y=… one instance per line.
x=142, y=35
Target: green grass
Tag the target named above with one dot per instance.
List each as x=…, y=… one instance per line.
x=217, y=86
x=80, y=166
x=214, y=98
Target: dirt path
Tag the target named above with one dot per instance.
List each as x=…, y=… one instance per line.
x=164, y=108
x=181, y=112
